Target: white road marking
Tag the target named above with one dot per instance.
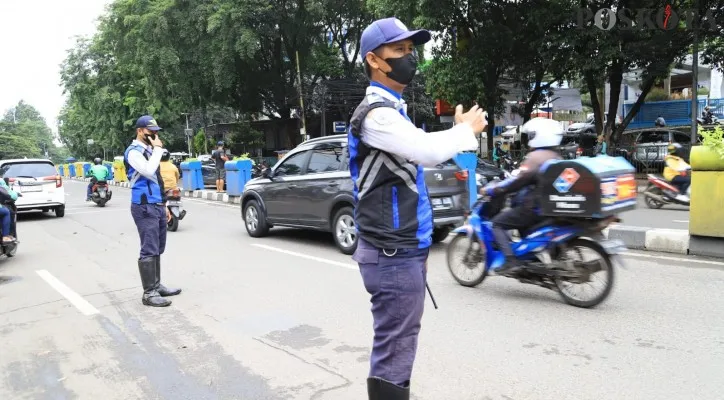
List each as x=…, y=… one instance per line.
x=679, y=259
x=74, y=298
x=683, y=221
x=308, y=257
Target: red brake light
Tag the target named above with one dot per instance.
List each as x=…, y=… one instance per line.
x=11, y=179
x=462, y=175
x=176, y=193
x=57, y=178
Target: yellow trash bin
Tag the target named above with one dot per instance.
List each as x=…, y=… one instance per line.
x=119, y=171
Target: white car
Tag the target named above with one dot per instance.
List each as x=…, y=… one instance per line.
x=38, y=182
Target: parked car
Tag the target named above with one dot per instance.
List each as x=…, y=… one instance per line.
x=39, y=183
x=650, y=146
x=589, y=126
x=311, y=188
x=576, y=145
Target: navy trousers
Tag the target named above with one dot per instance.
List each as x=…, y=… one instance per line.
x=396, y=284
x=151, y=223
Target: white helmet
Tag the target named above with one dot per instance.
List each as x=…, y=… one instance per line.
x=543, y=132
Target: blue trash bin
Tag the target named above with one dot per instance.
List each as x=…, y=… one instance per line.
x=86, y=169
x=192, y=178
x=469, y=162
x=71, y=169
x=238, y=172
x=109, y=167
x=61, y=170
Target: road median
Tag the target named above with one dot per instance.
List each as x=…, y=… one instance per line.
x=675, y=241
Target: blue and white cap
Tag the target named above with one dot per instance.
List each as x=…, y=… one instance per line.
x=389, y=30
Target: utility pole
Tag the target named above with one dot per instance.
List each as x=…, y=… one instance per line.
x=695, y=76
x=189, y=134
x=303, y=132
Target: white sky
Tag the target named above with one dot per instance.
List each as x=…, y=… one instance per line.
x=34, y=37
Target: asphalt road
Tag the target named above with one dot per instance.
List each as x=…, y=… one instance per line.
x=286, y=317
x=671, y=216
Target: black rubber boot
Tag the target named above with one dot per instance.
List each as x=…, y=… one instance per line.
x=163, y=290
x=151, y=297
x=379, y=389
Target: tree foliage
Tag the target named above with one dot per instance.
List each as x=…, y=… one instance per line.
x=24, y=133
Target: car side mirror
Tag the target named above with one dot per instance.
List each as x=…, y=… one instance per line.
x=267, y=173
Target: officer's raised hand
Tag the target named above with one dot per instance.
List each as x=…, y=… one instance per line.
x=475, y=117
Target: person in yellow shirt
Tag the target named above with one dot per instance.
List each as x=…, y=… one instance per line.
x=170, y=176
x=676, y=169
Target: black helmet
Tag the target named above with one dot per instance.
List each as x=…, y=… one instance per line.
x=660, y=122
x=97, y=161
x=166, y=156
x=674, y=149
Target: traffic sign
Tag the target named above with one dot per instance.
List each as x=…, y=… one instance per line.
x=189, y=132
x=339, y=126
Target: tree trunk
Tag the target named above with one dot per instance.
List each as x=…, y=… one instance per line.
x=645, y=88
x=615, y=79
x=595, y=103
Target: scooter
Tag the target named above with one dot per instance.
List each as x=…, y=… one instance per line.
x=175, y=208
x=100, y=193
x=661, y=192
x=507, y=163
x=712, y=120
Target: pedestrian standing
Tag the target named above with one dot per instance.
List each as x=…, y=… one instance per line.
x=220, y=158
x=142, y=159
x=393, y=214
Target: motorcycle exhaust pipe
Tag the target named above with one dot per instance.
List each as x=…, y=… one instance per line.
x=655, y=197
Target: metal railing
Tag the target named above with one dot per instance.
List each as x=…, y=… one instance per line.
x=675, y=112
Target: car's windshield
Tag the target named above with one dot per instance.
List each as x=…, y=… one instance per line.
x=27, y=170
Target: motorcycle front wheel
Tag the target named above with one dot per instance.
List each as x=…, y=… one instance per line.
x=653, y=203
x=589, y=260
x=466, y=260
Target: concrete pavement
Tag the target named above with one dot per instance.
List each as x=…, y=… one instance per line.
x=287, y=317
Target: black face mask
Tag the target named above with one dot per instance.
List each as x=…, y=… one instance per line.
x=403, y=69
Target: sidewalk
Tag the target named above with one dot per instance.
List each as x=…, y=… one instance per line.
x=676, y=241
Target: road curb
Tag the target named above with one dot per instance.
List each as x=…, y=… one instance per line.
x=194, y=194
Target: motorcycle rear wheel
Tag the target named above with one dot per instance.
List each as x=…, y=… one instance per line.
x=173, y=223
x=467, y=269
x=653, y=203
x=605, y=265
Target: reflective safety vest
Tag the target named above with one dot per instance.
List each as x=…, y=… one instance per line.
x=143, y=190
x=392, y=209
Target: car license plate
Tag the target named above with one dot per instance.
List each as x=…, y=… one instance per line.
x=26, y=189
x=442, y=203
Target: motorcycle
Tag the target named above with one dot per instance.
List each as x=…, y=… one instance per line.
x=100, y=193
x=175, y=208
x=507, y=163
x=660, y=192
x=551, y=253
x=711, y=120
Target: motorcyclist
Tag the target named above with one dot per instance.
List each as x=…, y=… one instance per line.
x=676, y=170
x=498, y=153
x=707, y=115
x=660, y=122
x=545, y=136
x=98, y=173
x=170, y=175
x=6, y=195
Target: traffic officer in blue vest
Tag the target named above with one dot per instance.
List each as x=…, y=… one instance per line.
x=392, y=208
x=142, y=159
